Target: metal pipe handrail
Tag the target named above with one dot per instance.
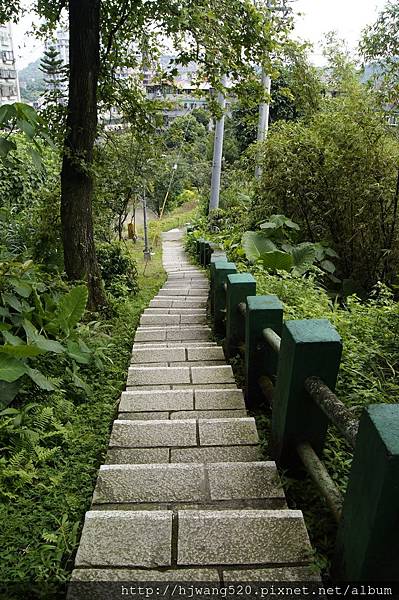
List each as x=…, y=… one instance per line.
x=334, y=408
x=321, y=478
x=272, y=338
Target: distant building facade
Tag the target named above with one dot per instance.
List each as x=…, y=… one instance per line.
x=9, y=87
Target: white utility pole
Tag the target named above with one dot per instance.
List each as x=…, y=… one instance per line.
x=263, y=123
x=217, y=152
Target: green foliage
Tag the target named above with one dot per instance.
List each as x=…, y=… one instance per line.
x=52, y=445
x=118, y=269
x=37, y=318
x=380, y=44
x=21, y=117
x=336, y=175
x=274, y=247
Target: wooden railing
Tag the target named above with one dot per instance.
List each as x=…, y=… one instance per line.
x=295, y=364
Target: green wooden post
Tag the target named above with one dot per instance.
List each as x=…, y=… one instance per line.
x=308, y=347
x=216, y=256
x=221, y=271
x=262, y=312
x=368, y=535
x=239, y=286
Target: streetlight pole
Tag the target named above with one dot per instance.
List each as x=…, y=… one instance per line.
x=218, y=151
x=264, y=110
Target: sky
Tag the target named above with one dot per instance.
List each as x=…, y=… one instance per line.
x=347, y=17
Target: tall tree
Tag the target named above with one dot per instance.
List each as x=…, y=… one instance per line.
x=224, y=36
x=81, y=128
x=54, y=70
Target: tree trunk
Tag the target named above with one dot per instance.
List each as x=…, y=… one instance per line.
x=76, y=176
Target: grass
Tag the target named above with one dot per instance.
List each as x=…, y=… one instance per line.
x=44, y=499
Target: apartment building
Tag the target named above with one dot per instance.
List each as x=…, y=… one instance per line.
x=9, y=87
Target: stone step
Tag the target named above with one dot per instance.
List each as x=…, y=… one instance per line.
x=186, y=575
x=176, y=344
x=184, y=433
x=242, y=537
x=153, y=334
x=176, y=319
x=195, y=483
x=176, y=375
x=174, y=311
x=188, y=399
x=136, y=538
x=183, y=386
x=176, y=354
x=186, y=291
x=177, y=303
x=183, y=414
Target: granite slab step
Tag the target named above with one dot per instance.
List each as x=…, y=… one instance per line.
x=139, y=375
x=184, y=433
x=126, y=539
x=242, y=537
x=189, y=483
x=186, y=399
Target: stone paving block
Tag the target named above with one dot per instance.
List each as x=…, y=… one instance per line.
x=125, y=538
x=150, y=483
x=210, y=455
x=208, y=414
x=150, y=335
x=228, y=432
x=161, y=303
x=244, y=481
x=140, y=388
x=159, y=355
x=157, y=400
x=212, y=353
x=188, y=334
x=183, y=291
x=192, y=319
x=198, y=363
x=155, y=375
x=130, y=575
x=272, y=574
x=137, y=455
x=218, y=399
x=142, y=416
x=219, y=374
x=188, y=304
x=241, y=537
x=202, y=386
x=160, y=320
x=152, y=434
x=151, y=365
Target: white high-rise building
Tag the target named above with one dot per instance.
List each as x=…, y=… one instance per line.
x=9, y=87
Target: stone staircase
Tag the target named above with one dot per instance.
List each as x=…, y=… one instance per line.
x=185, y=494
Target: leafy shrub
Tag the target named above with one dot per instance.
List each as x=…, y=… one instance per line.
x=336, y=175
x=38, y=317
x=118, y=269
x=276, y=248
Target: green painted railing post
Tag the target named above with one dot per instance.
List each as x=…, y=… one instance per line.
x=308, y=347
x=368, y=535
x=216, y=256
x=239, y=286
x=221, y=271
x=262, y=312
